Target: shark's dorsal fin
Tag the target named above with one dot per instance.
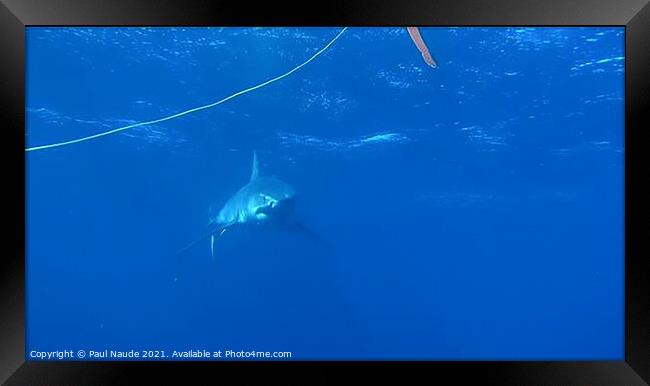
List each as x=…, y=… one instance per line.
x=255, y=171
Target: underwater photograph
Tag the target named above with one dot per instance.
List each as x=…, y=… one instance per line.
x=324, y=193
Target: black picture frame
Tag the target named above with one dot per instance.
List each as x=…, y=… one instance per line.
x=634, y=15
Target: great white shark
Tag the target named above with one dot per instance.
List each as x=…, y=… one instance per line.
x=264, y=200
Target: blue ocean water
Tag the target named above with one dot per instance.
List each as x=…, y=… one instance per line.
x=471, y=211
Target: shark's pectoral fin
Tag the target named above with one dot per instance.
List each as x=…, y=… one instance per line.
x=212, y=237
x=220, y=229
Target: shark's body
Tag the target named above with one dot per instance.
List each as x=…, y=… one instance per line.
x=263, y=200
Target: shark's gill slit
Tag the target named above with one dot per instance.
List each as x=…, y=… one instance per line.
x=193, y=110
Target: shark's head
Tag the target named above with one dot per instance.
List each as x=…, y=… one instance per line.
x=275, y=201
x=262, y=200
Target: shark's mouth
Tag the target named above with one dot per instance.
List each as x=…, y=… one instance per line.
x=274, y=207
x=267, y=208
